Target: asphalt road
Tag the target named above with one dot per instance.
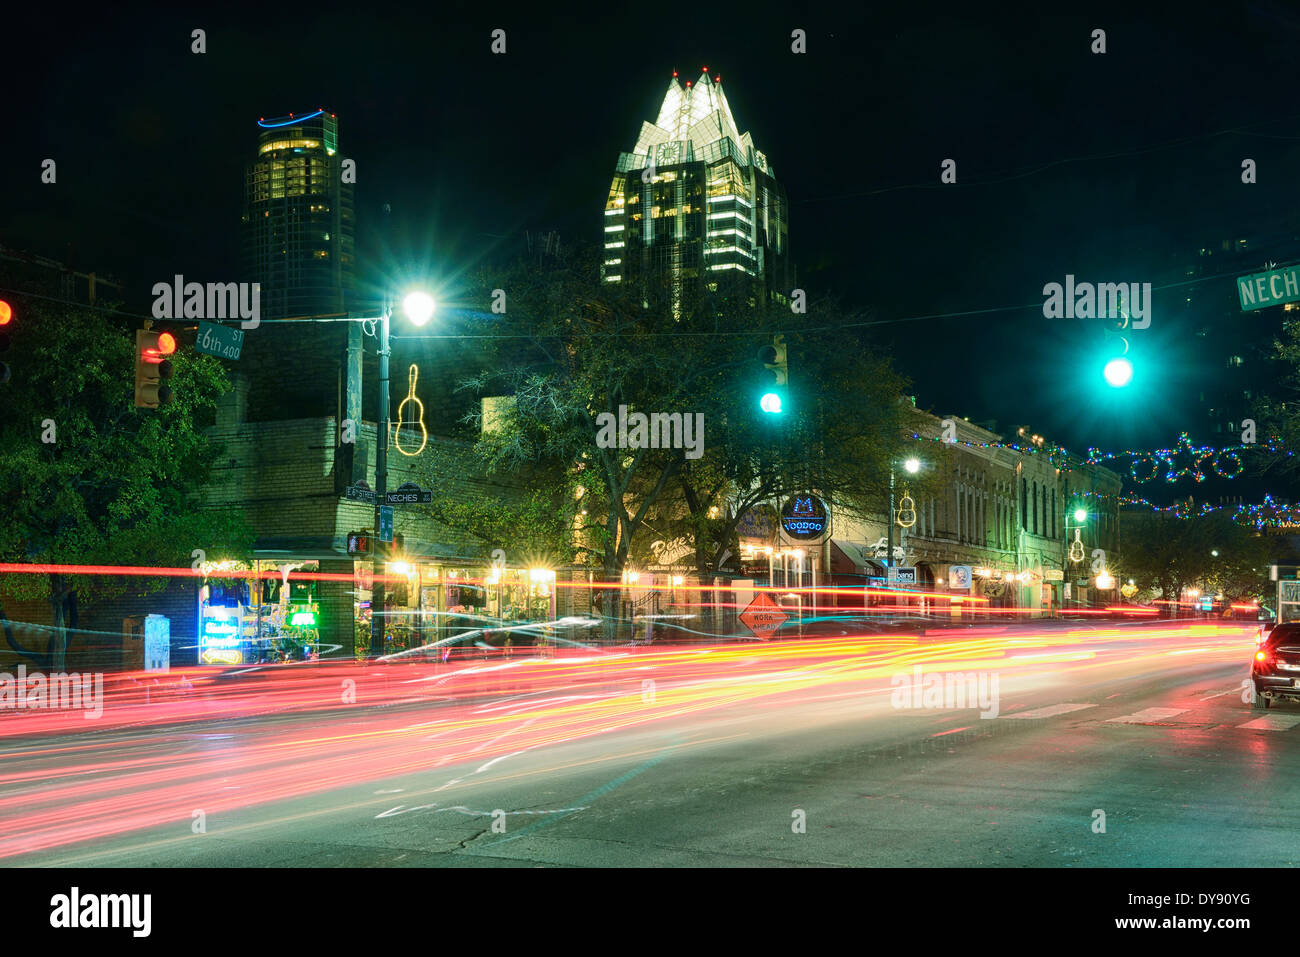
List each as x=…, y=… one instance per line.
x=1152, y=733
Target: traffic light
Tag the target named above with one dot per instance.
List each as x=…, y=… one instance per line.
x=153, y=368
x=6, y=316
x=1118, y=368
x=776, y=377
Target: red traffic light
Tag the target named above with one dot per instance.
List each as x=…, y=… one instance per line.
x=6, y=313
x=164, y=345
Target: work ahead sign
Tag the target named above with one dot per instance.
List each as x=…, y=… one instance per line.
x=1272, y=288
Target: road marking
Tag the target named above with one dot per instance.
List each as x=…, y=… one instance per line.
x=1273, y=722
x=1051, y=712
x=1148, y=715
x=1220, y=694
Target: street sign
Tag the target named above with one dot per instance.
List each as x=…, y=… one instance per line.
x=358, y=493
x=903, y=576
x=1263, y=289
x=386, y=523
x=219, y=341
x=408, y=493
x=763, y=616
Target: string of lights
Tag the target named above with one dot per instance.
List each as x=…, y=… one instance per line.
x=1184, y=460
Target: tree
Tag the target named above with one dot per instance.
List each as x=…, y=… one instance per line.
x=1166, y=552
x=89, y=479
x=574, y=355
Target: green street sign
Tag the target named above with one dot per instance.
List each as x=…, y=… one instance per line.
x=219, y=341
x=1263, y=289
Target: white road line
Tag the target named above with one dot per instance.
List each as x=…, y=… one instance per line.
x=1051, y=712
x=1273, y=722
x=1220, y=694
x=1148, y=715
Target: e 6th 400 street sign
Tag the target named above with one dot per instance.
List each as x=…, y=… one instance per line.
x=1263, y=289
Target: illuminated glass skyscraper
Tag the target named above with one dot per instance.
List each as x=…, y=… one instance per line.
x=298, y=229
x=696, y=206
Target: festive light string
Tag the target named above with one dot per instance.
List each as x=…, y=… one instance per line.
x=1225, y=462
x=1267, y=514
x=1095, y=456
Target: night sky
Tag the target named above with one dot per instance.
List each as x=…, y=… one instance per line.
x=1115, y=167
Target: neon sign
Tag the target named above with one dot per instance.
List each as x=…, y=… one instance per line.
x=804, y=517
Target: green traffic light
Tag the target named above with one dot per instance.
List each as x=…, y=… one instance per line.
x=770, y=403
x=1118, y=373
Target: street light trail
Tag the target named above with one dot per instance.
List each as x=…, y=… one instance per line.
x=84, y=791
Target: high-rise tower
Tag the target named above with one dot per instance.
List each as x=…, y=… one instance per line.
x=695, y=205
x=298, y=230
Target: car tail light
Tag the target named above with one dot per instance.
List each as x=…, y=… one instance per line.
x=1261, y=656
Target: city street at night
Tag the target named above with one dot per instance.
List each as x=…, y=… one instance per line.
x=672, y=441
x=1145, y=723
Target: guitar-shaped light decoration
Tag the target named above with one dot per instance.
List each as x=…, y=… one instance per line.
x=417, y=419
x=906, y=511
x=1076, y=546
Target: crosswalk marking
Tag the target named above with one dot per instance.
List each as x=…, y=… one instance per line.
x=1148, y=715
x=1051, y=712
x=1273, y=722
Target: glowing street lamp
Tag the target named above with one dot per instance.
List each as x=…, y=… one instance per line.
x=418, y=307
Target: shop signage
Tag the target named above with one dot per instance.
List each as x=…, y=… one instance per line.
x=959, y=577
x=758, y=523
x=904, y=576
x=408, y=493
x=1054, y=575
x=219, y=635
x=804, y=518
x=763, y=616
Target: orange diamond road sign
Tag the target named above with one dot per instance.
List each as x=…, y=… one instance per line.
x=763, y=616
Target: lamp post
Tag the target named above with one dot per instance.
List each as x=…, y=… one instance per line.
x=418, y=307
x=913, y=466
x=1080, y=517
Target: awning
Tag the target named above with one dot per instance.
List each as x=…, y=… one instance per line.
x=853, y=558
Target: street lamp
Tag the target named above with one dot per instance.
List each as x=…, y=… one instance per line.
x=418, y=307
x=912, y=465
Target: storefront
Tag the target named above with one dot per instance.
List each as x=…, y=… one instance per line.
x=428, y=605
x=251, y=613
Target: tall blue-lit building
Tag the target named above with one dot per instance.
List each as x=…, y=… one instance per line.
x=298, y=218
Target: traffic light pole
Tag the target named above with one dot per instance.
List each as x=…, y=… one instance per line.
x=377, y=551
